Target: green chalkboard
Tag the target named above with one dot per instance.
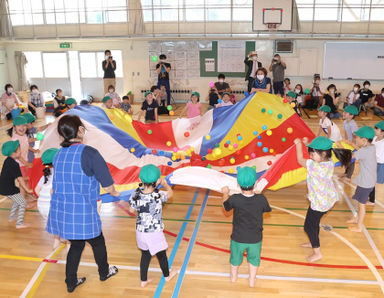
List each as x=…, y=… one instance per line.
x=249, y=46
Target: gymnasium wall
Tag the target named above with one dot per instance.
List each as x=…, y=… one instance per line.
x=306, y=60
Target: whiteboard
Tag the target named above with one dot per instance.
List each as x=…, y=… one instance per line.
x=354, y=60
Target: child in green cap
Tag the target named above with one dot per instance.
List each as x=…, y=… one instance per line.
x=350, y=126
x=322, y=192
x=330, y=129
x=9, y=173
x=378, y=141
x=247, y=233
x=366, y=179
x=291, y=97
x=148, y=201
x=107, y=102
x=149, y=109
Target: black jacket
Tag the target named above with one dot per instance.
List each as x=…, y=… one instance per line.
x=249, y=63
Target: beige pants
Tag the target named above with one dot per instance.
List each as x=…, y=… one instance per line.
x=108, y=82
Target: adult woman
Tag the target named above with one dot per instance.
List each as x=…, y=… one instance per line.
x=75, y=190
x=9, y=101
x=35, y=99
x=332, y=100
x=261, y=82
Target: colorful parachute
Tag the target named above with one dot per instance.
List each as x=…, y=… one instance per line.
x=257, y=131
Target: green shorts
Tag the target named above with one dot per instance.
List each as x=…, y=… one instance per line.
x=237, y=252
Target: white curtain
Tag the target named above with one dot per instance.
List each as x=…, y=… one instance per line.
x=21, y=61
x=136, y=16
x=5, y=20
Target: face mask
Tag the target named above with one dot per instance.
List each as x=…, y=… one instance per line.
x=297, y=91
x=366, y=86
x=317, y=82
x=9, y=90
x=221, y=81
x=110, y=90
x=260, y=77
x=254, y=58
x=382, y=94
x=35, y=91
x=332, y=91
x=162, y=60
x=275, y=59
x=355, y=89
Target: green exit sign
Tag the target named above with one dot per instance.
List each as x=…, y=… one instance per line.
x=65, y=45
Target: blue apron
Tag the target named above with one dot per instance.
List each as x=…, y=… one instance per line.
x=73, y=214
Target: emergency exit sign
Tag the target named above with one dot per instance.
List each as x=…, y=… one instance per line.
x=65, y=45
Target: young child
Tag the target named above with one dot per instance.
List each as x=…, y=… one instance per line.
x=247, y=233
x=44, y=188
x=71, y=103
x=287, y=85
x=193, y=107
x=366, y=95
x=31, y=130
x=322, y=192
x=35, y=99
x=299, y=94
x=291, y=97
x=59, y=104
x=350, y=126
x=126, y=106
x=331, y=130
x=366, y=179
x=378, y=141
x=10, y=172
x=353, y=97
x=149, y=109
x=225, y=100
x=148, y=202
x=316, y=94
x=115, y=97
x=107, y=102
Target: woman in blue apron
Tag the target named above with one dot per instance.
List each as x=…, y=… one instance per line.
x=79, y=169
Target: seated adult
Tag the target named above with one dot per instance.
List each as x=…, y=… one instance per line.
x=221, y=86
x=366, y=94
x=332, y=100
x=261, y=82
x=35, y=99
x=9, y=101
x=59, y=106
x=378, y=105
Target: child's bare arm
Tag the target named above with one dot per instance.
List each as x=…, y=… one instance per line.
x=299, y=153
x=25, y=163
x=183, y=111
x=225, y=191
x=167, y=188
x=140, y=115
x=24, y=185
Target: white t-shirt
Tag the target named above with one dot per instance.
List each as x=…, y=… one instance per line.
x=335, y=131
x=224, y=104
x=379, y=149
x=44, y=200
x=351, y=96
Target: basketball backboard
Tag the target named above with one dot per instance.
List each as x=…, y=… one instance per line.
x=272, y=15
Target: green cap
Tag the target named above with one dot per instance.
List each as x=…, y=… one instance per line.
x=29, y=117
x=321, y=143
x=380, y=125
x=20, y=120
x=48, y=155
x=325, y=108
x=106, y=98
x=246, y=177
x=149, y=173
x=291, y=94
x=9, y=147
x=365, y=132
x=351, y=109
x=197, y=94
x=71, y=101
x=147, y=93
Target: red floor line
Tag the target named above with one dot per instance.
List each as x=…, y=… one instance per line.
x=263, y=258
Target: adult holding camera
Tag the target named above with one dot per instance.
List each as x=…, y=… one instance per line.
x=253, y=65
x=163, y=68
x=109, y=67
x=278, y=67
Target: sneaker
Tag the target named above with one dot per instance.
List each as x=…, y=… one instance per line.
x=112, y=271
x=23, y=226
x=79, y=282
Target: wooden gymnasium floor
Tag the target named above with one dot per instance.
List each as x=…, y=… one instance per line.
x=198, y=232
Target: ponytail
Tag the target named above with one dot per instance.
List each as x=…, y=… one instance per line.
x=343, y=155
x=47, y=172
x=10, y=132
x=138, y=191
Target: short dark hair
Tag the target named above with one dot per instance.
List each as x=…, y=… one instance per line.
x=331, y=86
x=288, y=79
x=357, y=85
x=68, y=128
x=57, y=90
x=32, y=87
x=107, y=51
x=276, y=55
x=162, y=84
x=111, y=86
x=125, y=97
x=247, y=188
x=84, y=102
x=153, y=88
x=382, y=89
x=263, y=70
x=221, y=76
x=367, y=83
x=162, y=56
x=7, y=86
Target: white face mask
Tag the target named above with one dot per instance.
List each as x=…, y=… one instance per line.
x=221, y=81
x=35, y=91
x=366, y=86
x=297, y=91
x=254, y=58
x=382, y=94
x=260, y=77
x=332, y=91
x=110, y=90
x=9, y=90
x=355, y=89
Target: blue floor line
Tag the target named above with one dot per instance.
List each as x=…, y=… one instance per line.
x=180, y=235
x=192, y=241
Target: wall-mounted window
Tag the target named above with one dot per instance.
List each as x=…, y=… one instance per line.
x=91, y=64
